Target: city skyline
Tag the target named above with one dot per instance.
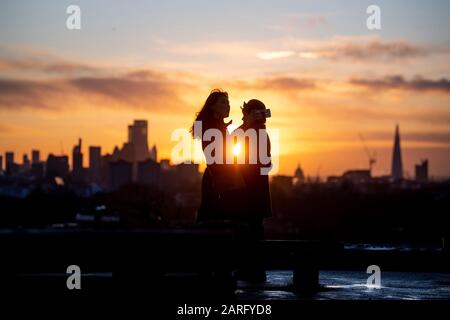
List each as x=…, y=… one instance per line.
x=324, y=75
x=136, y=150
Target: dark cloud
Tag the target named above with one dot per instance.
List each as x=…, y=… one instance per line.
x=27, y=93
x=122, y=91
x=398, y=82
x=371, y=50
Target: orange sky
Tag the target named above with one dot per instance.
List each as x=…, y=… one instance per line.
x=325, y=78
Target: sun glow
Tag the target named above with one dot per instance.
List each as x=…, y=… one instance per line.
x=237, y=149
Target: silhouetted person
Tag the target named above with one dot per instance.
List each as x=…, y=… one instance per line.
x=218, y=178
x=256, y=200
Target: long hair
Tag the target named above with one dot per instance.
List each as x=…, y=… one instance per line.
x=206, y=111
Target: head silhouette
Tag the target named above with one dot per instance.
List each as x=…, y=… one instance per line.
x=216, y=106
x=248, y=111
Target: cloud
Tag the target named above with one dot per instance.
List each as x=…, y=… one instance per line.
x=398, y=82
x=370, y=50
x=28, y=93
x=270, y=55
x=60, y=67
x=351, y=49
x=126, y=91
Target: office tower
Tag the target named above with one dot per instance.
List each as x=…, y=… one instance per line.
x=397, y=166
x=95, y=163
x=57, y=166
x=422, y=171
x=35, y=156
x=77, y=160
x=25, y=163
x=138, y=137
x=9, y=162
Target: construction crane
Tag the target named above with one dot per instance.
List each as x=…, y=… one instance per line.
x=371, y=156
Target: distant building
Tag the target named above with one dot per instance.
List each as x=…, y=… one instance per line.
x=38, y=170
x=149, y=172
x=169, y=178
x=105, y=174
x=299, y=176
x=95, y=163
x=357, y=176
x=154, y=154
x=57, y=166
x=422, y=171
x=128, y=152
x=9, y=163
x=35, y=156
x=138, y=137
x=77, y=160
x=1, y=163
x=187, y=173
x=165, y=164
x=26, y=165
x=121, y=173
x=397, y=165
x=353, y=176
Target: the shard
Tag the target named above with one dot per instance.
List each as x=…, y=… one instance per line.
x=397, y=166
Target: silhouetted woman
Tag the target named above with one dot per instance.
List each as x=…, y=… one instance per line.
x=211, y=116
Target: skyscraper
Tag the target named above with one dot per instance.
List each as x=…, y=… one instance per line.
x=138, y=137
x=37, y=167
x=25, y=163
x=397, y=166
x=57, y=166
x=77, y=159
x=1, y=163
x=35, y=156
x=95, y=163
x=9, y=162
x=422, y=171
